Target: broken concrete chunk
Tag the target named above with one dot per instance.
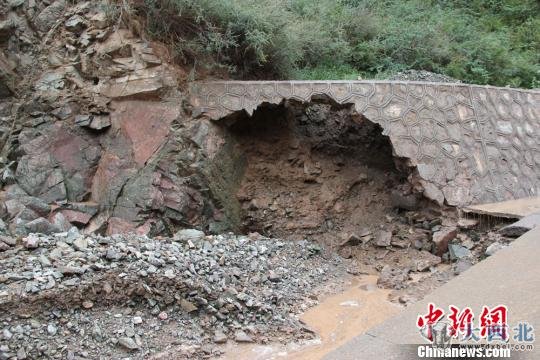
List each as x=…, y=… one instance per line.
x=467, y=223
x=432, y=192
x=522, y=226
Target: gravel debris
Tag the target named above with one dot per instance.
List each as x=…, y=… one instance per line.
x=93, y=292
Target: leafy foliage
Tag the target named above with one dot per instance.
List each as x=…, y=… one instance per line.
x=479, y=41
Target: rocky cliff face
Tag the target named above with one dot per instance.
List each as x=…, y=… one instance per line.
x=93, y=128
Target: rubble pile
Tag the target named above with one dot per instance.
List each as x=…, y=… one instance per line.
x=413, y=252
x=60, y=294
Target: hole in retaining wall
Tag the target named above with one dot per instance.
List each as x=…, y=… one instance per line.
x=314, y=170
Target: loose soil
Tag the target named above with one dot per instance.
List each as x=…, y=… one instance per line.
x=314, y=171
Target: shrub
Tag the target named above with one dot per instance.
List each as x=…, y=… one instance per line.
x=480, y=41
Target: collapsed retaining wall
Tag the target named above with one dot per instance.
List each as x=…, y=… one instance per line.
x=469, y=144
x=102, y=134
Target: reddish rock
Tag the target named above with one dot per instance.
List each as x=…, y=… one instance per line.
x=142, y=82
x=119, y=226
x=76, y=217
x=441, y=238
x=145, y=228
x=111, y=174
x=146, y=124
x=59, y=220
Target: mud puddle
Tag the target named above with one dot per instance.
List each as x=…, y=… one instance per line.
x=336, y=320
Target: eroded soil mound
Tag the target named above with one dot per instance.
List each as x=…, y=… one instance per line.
x=314, y=170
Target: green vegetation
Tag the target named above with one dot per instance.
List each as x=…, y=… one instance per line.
x=478, y=41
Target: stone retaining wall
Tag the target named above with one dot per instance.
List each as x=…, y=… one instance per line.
x=470, y=144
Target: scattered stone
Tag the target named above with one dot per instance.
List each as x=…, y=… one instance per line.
x=273, y=276
x=87, y=304
x=220, y=337
x=423, y=75
x=80, y=244
x=31, y=241
x=406, y=299
x=441, y=238
x=187, y=306
x=15, y=3
x=461, y=265
x=163, y=315
x=128, y=343
x=242, y=337
x=41, y=225
x=351, y=240
x=400, y=242
x=393, y=278
x=426, y=260
x=458, y=252
x=345, y=252
x=21, y=354
x=136, y=320
x=383, y=238
x=99, y=20
x=7, y=334
x=51, y=329
x=189, y=235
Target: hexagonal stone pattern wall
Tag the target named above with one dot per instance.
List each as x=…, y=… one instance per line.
x=470, y=144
